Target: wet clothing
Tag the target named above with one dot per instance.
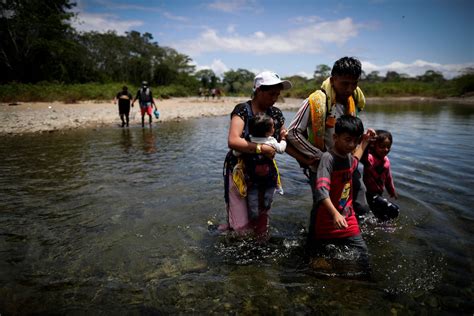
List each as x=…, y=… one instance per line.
x=124, y=98
x=268, y=187
x=377, y=176
x=237, y=204
x=334, y=180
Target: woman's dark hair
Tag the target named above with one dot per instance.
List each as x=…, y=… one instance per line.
x=124, y=88
x=260, y=125
x=382, y=135
x=349, y=124
x=347, y=66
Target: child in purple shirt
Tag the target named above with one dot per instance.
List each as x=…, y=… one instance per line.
x=378, y=176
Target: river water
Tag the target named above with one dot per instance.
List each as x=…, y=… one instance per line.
x=115, y=220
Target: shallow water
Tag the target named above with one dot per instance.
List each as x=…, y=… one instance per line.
x=115, y=220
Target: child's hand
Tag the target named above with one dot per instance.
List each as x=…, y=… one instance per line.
x=370, y=135
x=283, y=133
x=339, y=221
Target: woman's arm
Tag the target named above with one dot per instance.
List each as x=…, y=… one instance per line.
x=236, y=142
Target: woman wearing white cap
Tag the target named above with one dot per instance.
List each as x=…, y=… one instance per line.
x=267, y=88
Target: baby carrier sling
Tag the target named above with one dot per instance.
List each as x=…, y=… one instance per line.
x=259, y=170
x=250, y=169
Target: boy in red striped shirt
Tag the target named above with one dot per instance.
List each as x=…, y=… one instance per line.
x=333, y=221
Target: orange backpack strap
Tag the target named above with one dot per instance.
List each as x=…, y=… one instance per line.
x=318, y=108
x=351, y=110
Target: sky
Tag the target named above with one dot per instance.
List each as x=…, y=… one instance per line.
x=293, y=37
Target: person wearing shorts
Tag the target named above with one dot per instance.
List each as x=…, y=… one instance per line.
x=145, y=99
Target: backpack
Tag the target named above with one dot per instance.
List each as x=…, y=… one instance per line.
x=145, y=95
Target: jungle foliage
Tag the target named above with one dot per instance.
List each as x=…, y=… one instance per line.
x=43, y=58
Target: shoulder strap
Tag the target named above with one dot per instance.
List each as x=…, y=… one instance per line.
x=359, y=99
x=318, y=104
x=249, y=116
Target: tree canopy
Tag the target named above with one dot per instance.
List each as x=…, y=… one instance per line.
x=38, y=44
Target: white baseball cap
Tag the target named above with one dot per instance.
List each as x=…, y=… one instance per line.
x=268, y=78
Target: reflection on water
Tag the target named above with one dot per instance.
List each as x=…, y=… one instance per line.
x=115, y=221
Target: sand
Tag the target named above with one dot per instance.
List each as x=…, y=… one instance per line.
x=42, y=117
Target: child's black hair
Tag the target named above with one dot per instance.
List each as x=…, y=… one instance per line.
x=260, y=125
x=347, y=66
x=349, y=124
x=382, y=135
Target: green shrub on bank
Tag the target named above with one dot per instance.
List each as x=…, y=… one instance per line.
x=49, y=92
x=71, y=93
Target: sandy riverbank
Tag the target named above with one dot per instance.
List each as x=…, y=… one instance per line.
x=46, y=117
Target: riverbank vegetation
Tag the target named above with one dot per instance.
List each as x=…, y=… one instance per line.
x=43, y=58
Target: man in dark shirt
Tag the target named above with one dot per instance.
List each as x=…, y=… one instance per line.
x=124, y=97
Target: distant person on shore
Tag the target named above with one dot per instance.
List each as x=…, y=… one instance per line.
x=267, y=88
x=310, y=132
x=377, y=176
x=145, y=99
x=261, y=179
x=333, y=223
x=123, y=99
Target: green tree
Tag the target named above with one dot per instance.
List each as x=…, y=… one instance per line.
x=374, y=76
x=238, y=81
x=392, y=76
x=36, y=40
x=172, y=67
x=431, y=76
x=322, y=72
x=207, y=77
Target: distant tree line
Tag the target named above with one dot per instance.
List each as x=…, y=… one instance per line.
x=39, y=46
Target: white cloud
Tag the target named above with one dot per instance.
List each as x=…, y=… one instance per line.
x=416, y=68
x=304, y=74
x=175, y=17
x=231, y=28
x=308, y=39
x=306, y=19
x=217, y=66
x=232, y=5
x=102, y=23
